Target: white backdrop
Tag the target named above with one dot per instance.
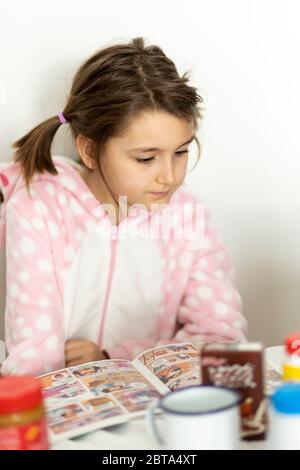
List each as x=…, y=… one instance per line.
x=244, y=59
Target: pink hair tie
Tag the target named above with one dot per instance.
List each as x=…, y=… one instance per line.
x=62, y=118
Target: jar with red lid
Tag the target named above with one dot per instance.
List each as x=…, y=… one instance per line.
x=22, y=415
x=291, y=366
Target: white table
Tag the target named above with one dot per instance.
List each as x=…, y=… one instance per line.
x=136, y=434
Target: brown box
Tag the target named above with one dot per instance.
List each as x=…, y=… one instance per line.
x=239, y=366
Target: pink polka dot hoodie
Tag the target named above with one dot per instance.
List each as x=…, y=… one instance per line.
x=157, y=277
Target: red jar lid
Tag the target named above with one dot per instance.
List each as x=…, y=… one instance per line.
x=292, y=343
x=19, y=393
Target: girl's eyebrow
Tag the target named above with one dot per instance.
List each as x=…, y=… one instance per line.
x=153, y=149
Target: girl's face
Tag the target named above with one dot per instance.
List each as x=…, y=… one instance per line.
x=148, y=162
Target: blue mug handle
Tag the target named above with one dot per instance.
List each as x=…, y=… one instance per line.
x=150, y=416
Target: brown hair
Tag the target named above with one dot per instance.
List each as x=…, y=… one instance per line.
x=110, y=88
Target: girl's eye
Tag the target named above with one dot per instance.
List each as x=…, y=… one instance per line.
x=182, y=152
x=144, y=160
x=148, y=160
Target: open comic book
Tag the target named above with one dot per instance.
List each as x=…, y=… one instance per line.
x=103, y=393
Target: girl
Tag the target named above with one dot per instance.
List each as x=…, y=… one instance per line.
x=97, y=263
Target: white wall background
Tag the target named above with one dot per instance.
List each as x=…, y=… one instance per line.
x=244, y=57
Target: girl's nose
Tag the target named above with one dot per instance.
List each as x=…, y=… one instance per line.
x=166, y=175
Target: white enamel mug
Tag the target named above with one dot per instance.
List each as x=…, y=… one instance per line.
x=198, y=417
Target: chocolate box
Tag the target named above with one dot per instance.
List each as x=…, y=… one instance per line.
x=239, y=366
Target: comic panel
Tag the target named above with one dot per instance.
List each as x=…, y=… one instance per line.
x=137, y=400
x=85, y=420
x=101, y=403
x=181, y=374
x=121, y=381
x=165, y=352
x=60, y=391
x=162, y=363
x=99, y=367
x=56, y=379
x=63, y=413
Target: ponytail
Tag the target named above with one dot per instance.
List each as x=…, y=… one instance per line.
x=33, y=152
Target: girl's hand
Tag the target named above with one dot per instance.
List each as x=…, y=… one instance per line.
x=79, y=351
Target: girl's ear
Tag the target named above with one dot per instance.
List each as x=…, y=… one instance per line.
x=85, y=150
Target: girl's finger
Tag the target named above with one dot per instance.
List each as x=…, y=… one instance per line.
x=74, y=343
x=74, y=363
x=73, y=355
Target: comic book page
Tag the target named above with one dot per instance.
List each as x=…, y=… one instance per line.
x=274, y=358
x=171, y=367
x=90, y=396
x=103, y=393
x=273, y=377
x=175, y=366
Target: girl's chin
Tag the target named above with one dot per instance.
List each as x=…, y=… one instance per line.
x=151, y=205
x=157, y=206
